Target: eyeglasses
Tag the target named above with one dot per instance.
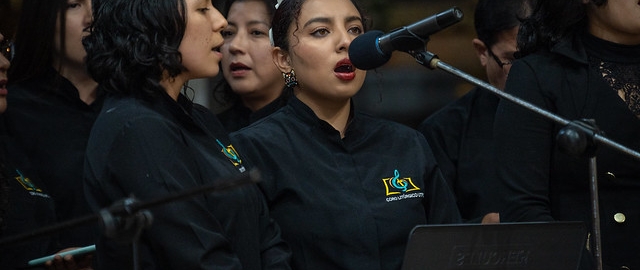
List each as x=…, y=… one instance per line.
x=6, y=48
x=500, y=63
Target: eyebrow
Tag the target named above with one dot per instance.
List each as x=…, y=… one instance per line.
x=327, y=20
x=254, y=22
x=251, y=23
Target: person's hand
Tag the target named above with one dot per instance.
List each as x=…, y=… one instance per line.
x=491, y=218
x=70, y=262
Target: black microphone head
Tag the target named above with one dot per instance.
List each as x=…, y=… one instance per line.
x=365, y=53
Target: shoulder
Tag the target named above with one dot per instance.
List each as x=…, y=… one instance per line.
x=25, y=91
x=126, y=108
x=128, y=114
x=390, y=129
x=453, y=113
x=277, y=122
x=566, y=54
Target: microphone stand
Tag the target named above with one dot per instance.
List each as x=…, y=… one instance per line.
x=125, y=219
x=579, y=137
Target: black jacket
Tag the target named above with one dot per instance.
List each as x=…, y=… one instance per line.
x=51, y=124
x=346, y=203
x=461, y=137
x=239, y=116
x=29, y=207
x=542, y=183
x=154, y=149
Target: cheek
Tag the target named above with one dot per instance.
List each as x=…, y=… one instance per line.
x=264, y=59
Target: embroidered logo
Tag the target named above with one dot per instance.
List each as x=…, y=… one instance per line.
x=399, y=188
x=28, y=185
x=233, y=156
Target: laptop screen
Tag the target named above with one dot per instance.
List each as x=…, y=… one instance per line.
x=522, y=246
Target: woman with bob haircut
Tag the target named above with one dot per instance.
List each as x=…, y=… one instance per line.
x=150, y=141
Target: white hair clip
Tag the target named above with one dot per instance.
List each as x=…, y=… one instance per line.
x=271, y=37
x=271, y=29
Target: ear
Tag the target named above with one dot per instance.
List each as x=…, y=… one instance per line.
x=481, y=51
x=281, y=59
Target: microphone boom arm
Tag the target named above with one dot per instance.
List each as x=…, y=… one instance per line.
x=432, y=61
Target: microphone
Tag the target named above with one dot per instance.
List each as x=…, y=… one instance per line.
x=373, y=49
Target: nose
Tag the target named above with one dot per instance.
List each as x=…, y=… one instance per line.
x=344, y=40
x=219, y=22
x=88, y=15
x=237, y=43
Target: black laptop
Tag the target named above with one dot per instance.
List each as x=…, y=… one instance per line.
x=519, y=246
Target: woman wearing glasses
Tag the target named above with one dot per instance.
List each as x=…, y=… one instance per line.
x=54, y=102
x=460, y=134
x=25, y=206
x=580, y=60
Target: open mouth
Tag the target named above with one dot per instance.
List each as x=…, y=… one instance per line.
x=238, y=67
x=344, y=69
x=217, y=48
x=344, y=66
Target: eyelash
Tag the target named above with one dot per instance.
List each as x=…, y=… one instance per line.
x=257, y=33
x=357, y=31
x=226, y=33
x=317, y=32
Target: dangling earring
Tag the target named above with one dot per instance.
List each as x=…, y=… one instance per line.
x=290, y=79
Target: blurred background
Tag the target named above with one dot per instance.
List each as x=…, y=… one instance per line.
x=402, y=90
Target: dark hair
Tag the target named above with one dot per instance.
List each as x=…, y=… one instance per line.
x=9, y=15
x=491, y=17
x=34, y=39
x=222, y=90
x=551, y=21
x=288, y=12
x=132, y=42
x=270, y=5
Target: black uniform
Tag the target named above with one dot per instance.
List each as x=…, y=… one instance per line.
x=544, y=184
x=154, y=149
x=49, y=121
x=461, y=137
x=239, y=116
x=346, y=203
x=29, y=207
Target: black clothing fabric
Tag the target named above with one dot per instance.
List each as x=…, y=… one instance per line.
x=618, y=67
x=346, y=203
x=461, y=137
x=542, y=183
x=239, y=116
x=29, y=207
x=154, y=149
x=49, y=121
x=236, y=117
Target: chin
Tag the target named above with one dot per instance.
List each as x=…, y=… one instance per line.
x=211, y=73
